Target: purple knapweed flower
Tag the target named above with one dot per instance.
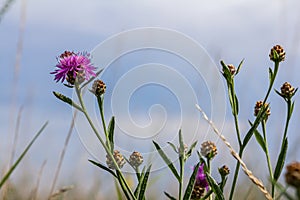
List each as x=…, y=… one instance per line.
x=71, y=65
x=201, y=178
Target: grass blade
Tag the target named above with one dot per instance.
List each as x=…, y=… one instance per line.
x=215, y=187
x=7, y=175
x=190, y=186
x=167, y=160
x=144, y=184
x=169, y=196
x=281, y=160
x=103, y=167
x=111, y=130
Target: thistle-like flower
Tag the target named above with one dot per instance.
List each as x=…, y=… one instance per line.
x=287, y=90
x=209, y=149
x=231, y=69
x=200, y=185
x=277, y=54
x=98, y=87
x=136, y=159
x=118, y=158
x=73, y=67
x=292, y=175
x=258, y=106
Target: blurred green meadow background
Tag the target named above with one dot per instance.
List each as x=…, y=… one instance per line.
x=33, y=33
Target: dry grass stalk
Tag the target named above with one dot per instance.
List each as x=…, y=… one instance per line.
x=255, y=180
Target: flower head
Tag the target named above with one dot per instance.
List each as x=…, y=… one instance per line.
x=98, y=87
x=287, y=90
x=73, y=66
x=201, y=177
x=209, y=149
x=277, y=54
x=136, y=159
x=258, y=106
x=292, y=175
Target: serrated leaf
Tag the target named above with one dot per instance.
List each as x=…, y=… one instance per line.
x=281, y=160
x=173, y=147
x=259, y=139
x=169, y=196
x=215, y=187
x=261, y=115
x=111, y=130
x=103, y=167
x=190, y=185
x=67, y=100
x=167, y=160
x=144, y=184
x=13, y=167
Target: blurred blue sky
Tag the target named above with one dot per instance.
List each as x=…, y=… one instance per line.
x=230, y=30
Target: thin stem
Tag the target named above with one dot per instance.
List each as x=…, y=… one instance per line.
x=276, y=66
x=263, y=123
x=109, y=153
x=181, y=160
x=208, y=168
x=288, y=117
x=100, y=104
x=236, y=174
x=235, y=113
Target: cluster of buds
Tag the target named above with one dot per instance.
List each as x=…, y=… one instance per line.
x=292, y=176
x=118, y=158
x=258, y=106
x=98, y=87
x=277, y=54
x=136, y=159
x=287, y=91
x=209, y=149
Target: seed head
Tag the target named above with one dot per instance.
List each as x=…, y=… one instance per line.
x=258, y=106
x=292, y=175
x=287, y=90
x=118, y=158
x=136, y=159
x=224, y=171
x=231, y=69
x=98, y=87
x=208, y=149
x=197, y=192
x=280, y=54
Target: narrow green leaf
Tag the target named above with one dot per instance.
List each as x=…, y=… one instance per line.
x=173, y=146
x=67, y=100
x=239, y=67
x=167, y=160
x=261, y=115
x=292, y=109
x=279, y=93
x=122, y=184
x=281, y=160
x=270, y=74
x=91, y=79
x=119, y=194
x=111, y=130
x=138, y=187
x=181, y=144
x=190, y=150
x=259, y=139
x=201, y=158
x=144, y=184
x=10, y=171
x=169, y=196
x=103, y=167
x=190, y=186
x=215, y=187
x=236, y=105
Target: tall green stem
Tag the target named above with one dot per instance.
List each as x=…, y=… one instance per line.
x=181, y=160
x=121, y=180
x=263, y=123
x=272, y=79
x=236, y=173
